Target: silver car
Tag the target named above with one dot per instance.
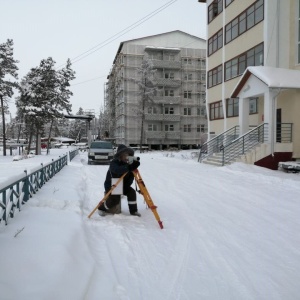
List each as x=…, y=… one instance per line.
x=100, y=151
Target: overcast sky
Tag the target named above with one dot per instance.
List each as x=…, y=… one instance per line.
x=66, y=29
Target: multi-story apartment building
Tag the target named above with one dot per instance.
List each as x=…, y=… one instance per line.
x=253, y=58
x=177, y=115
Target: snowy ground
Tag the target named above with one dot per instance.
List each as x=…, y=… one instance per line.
x=229, y=233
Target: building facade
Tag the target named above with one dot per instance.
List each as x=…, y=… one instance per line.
x=251, y=42
x=177, y=115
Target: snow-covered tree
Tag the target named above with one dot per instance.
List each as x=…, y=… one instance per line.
x=147, y=90
x=8, y=70
x=45, y=95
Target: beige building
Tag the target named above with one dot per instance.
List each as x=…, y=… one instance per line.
x=177, y=116
x=253, y=81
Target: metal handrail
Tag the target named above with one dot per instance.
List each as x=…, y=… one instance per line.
x=284, y=132
x=17, y=193
x=73, y=153
x=215, y=144
x=244, y=143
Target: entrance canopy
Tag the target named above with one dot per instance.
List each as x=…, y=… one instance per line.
x=271, y=77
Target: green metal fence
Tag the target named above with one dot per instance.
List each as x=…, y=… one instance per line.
x=73, y=153
x=14, y=195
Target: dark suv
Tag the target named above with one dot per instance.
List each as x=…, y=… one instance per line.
x=100, y=151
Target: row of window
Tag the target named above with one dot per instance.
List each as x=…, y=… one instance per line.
x=172, y=57
x=186, y=76
x=186, y=94
x=236, y=66
x=216, y=7
x=245, y=21
x=170, y=127
x=187, y=111
x=232, y=108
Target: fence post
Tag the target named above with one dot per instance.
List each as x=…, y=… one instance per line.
x=26, y=188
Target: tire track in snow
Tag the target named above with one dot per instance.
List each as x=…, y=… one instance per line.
x=177, y=267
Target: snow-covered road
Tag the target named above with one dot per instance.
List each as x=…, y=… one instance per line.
x=229, y=233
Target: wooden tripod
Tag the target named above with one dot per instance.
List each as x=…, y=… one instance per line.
x=143, y=191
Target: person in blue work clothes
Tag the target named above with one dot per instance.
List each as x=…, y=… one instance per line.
x=118, y=166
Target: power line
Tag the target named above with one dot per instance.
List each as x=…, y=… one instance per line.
x=88, y=80
x=121, y=33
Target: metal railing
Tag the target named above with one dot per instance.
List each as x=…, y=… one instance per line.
x=284, y=132
x=215, y=144
x=244, y=143
x=17, y=193
x=73, y=153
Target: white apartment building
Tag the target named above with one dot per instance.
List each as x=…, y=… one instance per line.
x=177, y=116
x=253, y=57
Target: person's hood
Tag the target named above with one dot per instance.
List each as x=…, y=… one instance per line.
x=123, y=149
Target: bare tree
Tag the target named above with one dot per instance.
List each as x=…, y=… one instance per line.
x=147, y=90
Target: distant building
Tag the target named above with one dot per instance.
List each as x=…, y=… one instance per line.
x=253, y=78
x=177, y=116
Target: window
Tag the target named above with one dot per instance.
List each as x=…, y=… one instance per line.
x=152, y=110
x=187, y=61
x=169, y=110
x=232, y=107
x=215, y=42
x=169, y=57
x=236, y=66
x=187, y=95
x=169, y=75
x=216, y=110
x=253, y=106
x=152, y=127
x=227, y=2
x=215, y=76
x=169, y=93
x=245, y=21
x=187, y=111
x=201, y=128
x=169, y=127
x=187, y=128
x=214, y=9
x=201, y=63
x=188, y=76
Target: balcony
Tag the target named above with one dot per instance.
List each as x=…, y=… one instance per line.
x=174, y=135
x=167, y=99
x=155, y=134
x=168, y=82
x=162, y=117
x=166, y=64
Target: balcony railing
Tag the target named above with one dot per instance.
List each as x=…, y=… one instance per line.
x=155, y=134
x=167, y=99
x=168, y=82
x=163, y=135
x=166, y=64
x=162, y=117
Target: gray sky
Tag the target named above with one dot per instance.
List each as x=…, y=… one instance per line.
x=65, y=29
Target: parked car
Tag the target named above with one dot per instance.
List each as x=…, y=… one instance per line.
x=81, y=146
x=100, y=151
